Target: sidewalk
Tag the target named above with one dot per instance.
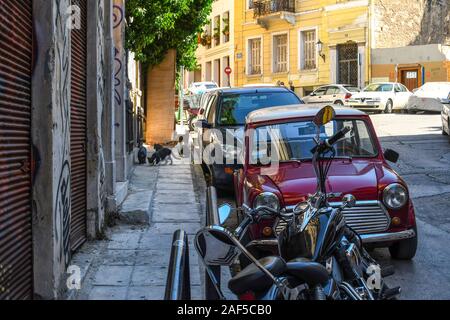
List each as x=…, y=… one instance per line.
x=132, y=263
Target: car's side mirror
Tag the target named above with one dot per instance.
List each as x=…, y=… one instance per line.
x=391, y=155
x=312, y=94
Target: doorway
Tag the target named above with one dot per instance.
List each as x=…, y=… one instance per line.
x=410, y=78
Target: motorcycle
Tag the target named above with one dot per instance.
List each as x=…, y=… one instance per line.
x=269, y=278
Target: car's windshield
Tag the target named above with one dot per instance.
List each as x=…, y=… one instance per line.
x=378, y=87
x=235, y=107
x=294, y=141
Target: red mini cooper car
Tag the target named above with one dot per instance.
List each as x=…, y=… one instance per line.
x=277, y=172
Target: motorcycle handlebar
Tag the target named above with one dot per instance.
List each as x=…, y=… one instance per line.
x=328, y=143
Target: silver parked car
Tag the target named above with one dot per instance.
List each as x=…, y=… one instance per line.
x=332, y=94
x=429, y=97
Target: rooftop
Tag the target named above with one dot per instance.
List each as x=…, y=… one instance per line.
x=296, y=111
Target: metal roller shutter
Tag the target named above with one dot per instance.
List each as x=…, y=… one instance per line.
x=78, y=130
x=16, y=260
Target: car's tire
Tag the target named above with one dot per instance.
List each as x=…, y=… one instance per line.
x=405, y=249
x=389, y=107
x=444, y=133
x=339, y=103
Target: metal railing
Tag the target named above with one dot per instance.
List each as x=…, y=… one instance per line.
x=178, y=285
x=212, y=218
x=265, y=7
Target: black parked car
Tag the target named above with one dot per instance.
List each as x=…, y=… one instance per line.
x=225, y=111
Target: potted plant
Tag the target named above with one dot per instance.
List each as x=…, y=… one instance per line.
x=216, y=34
x=205, y=40
x=226, y=27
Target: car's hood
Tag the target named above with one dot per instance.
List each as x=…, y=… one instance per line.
x=360, y=178
x=370, y=95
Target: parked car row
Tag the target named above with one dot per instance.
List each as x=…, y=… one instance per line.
x=384, y=214
x=384, y=97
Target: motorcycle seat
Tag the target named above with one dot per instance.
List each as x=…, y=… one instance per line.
x=252, y=278
x=309, y=272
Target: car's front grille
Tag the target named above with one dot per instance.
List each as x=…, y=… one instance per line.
x=365, y=217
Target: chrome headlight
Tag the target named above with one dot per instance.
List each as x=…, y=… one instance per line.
x=395, y=196
x=267, y=199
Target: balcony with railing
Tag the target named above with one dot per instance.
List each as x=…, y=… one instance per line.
x=266, y=10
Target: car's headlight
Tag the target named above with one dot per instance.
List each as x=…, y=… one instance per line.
x=267, y=199
x=395, y=196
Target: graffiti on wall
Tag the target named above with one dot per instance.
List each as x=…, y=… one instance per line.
x=62, y=125
x=101, y=96
x=118, y=18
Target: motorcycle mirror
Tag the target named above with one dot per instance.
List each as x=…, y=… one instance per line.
x=348, y=201
x=325, y=115
x=219, y=247
x=224, y=213
x=215, y=246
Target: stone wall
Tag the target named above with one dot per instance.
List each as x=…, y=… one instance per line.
x=410, y=22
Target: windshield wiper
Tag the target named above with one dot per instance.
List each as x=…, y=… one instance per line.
x=291, y=160
x=349, y=158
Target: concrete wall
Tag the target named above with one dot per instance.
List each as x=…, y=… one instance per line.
x=96, y=188
x=161, y=100
x=413, y=22
x=119, y=90
x=51, y=90
x=51, y=138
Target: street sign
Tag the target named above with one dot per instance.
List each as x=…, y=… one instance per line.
x=228, y=70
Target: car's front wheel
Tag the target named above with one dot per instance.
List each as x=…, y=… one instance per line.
x=404, y=249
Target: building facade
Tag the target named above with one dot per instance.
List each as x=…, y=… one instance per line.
x=64, y=162
x=216, y=46
x=302, y=44
x=307, y=43
x=421, y=51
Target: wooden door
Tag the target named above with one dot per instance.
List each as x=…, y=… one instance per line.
x=410, y=78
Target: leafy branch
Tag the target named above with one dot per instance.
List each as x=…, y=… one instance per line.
x=156, y=26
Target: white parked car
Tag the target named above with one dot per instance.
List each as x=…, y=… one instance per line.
x=200, y=87
x=429, y=97
x=332, y=94
x=381, y=97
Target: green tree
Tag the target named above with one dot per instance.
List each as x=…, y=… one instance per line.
x=155, y=26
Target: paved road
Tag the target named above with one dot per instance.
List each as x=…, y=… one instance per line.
x=425, y=165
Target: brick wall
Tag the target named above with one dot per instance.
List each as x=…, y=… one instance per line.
x=411, y=22
x=161, y=101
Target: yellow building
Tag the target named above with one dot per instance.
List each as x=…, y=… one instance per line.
x=302, y=43
x=216, y=47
